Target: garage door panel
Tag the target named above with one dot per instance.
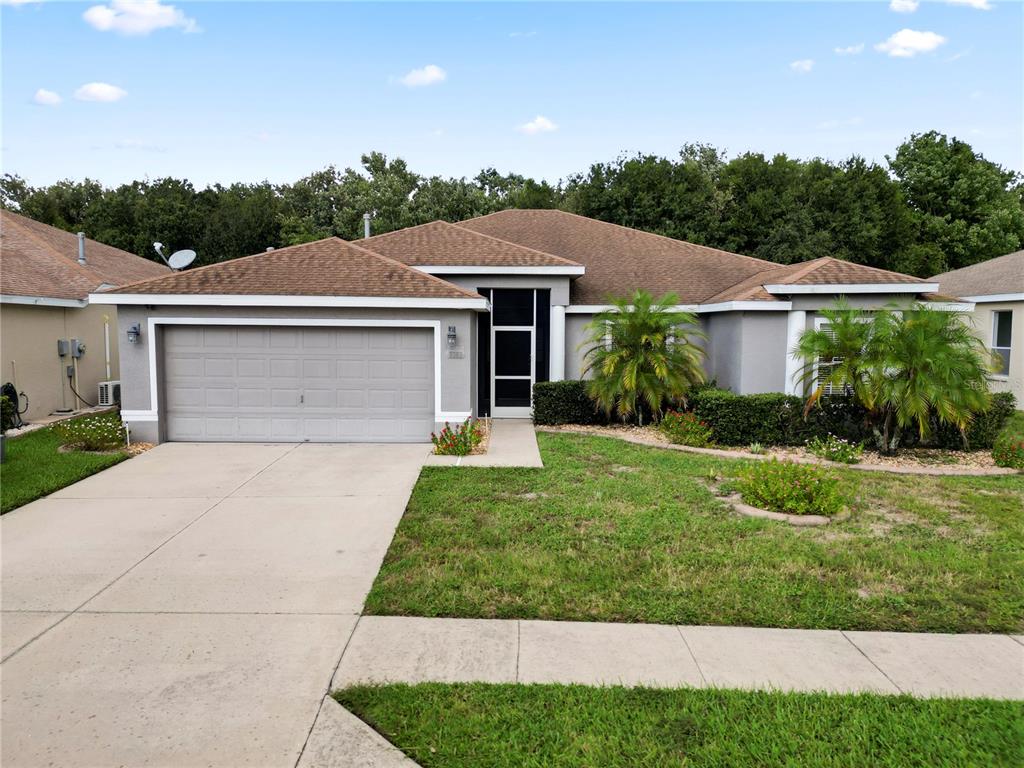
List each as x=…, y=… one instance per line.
x=298, y=384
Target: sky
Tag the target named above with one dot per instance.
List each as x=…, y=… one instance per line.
x=247, y=91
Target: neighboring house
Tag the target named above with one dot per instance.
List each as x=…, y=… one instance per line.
x=386, y=338
x=46, y=276
x=996, y=287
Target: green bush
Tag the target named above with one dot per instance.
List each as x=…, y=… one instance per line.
x=564, y=402
x=983, y=430
x=791, y=488
x=6, y=413
x=459, y=441
x=685, y=429
x=769, y=419
x=92, y=433
x=1008, y=450
x=832, y=448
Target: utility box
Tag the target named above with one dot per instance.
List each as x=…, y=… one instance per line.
x=62, y=347
x=77, y=348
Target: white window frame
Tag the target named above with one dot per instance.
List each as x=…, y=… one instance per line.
x=992, y=345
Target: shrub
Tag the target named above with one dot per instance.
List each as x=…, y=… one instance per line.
x=769, y=419
x=6, y=413
x=564, y=402
x=834, y=448
x=1009, y=451
x=685, y=429
x=1009, y=446
x=984, y=428
x=756, y=448
x=92, y=433
x=459, y=441
x=794, y=489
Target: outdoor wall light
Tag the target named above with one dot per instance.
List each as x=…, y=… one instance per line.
x=451, y=336
x=134, y=332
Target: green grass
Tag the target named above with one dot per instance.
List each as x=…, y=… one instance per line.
x=609, y=531
x=519, y=726
x=34, y=467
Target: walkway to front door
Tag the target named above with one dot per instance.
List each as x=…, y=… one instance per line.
x=189, y=606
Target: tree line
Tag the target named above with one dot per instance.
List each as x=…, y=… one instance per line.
x=935, y=204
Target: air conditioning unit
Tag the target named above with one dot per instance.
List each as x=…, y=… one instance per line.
x=110, y=393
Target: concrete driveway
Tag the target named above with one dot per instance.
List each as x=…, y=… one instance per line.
x=189, y=606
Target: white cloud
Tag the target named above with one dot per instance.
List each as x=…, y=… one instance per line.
x=803, y=66
x=139, y=145
x=910, y=42
x=850, y=50
x=100, y=92
x=428, y=75
x=46, y=98
x=903, y=6
x=981, y=5
x=539, y=124
x=138, y=17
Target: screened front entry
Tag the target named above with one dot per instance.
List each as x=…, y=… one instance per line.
x=514, y=341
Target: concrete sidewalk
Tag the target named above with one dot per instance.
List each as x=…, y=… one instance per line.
x=513, y=443
x=412, y=650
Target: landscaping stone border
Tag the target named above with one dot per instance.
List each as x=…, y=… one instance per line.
x=938, y=471
x=803, y=520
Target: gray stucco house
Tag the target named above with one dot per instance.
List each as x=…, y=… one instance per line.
x=387, y=338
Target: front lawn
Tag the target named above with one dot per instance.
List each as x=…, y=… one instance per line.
x=517, y=726
x=610, y=531
x=35, y=468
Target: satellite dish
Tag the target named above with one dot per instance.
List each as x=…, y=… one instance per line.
x=181, y=259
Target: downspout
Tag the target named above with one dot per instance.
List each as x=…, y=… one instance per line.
x=106, y=345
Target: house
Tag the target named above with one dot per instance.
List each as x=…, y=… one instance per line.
x=46, y=276
x=996, y=288
x=386, y=338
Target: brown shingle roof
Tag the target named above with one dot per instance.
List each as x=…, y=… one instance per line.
x=618, y=259
x=1003, y=274
x=39, y=260
x=823, y=271
x=442, y=244
x=329, y=267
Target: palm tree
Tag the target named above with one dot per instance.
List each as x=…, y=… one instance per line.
x=642, y=352
x=902, y=365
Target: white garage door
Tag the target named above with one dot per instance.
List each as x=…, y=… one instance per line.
x=293, y=384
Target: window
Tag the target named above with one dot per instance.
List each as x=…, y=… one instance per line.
x=1002, y=322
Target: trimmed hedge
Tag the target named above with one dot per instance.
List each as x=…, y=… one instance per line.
x=770, y=419
x=564, y=402
x=983, y=430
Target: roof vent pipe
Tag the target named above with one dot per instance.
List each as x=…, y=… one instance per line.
x=270, y=248
x=81, y=248
x=366, y=225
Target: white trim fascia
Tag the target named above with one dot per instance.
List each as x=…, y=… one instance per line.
x=994, y=297
x=43, y=301
x=445, y=269
x=452, y=417
x=327, y=322
x=949, y=306
x=746, y=306
x=593, y=309
x=138, y=415
x=249, y=300
x=844, y=289
x=724, y=306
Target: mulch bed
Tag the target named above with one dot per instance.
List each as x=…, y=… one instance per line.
x=925, y=461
